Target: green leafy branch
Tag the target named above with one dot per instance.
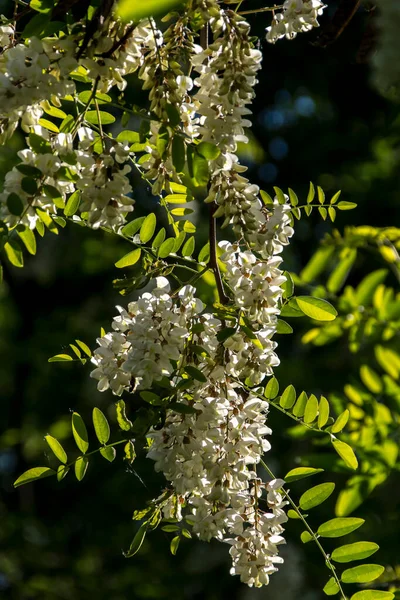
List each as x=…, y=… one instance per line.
x=334, y=528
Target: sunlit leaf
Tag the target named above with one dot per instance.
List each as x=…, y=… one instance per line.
x=174, y=545
x=33, y=474
x=129, y=259
x=124, y=423
x=271, y=389
x=339, y=527
x=331, y=588
x=56, y=448
x=80, y=432
x=288, y=397
x=340, y=422
x=300, y=406
x=362, y=574
x=316, y=308
x=346, y=453
x=148, y=228
x=81, y=465
x=300, y=473
x=356, y=551
x=316, y=495
x=311, y=409
x=323, y=412
x=137, y=541
x=101, y=426
x=372, y=595
x=109, y=453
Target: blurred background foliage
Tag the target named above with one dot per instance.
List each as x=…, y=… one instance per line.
x=316, y=117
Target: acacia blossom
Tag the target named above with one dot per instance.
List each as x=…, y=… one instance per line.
x=297, y=16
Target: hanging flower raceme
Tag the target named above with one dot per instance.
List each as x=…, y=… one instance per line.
x=296, y=17
x=52, y=170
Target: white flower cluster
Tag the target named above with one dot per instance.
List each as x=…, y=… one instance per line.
x=146, y=340
x=297, y=16
x=59, y=171
x=209, y=458
x=119, y=50
x=29, y=74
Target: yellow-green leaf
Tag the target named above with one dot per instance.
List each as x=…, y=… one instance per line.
x=300, y=406
x=80, y=432
x=148, y=228
x=33, y=474
x=28, y=238
x=60, y=358
x=331, y=588
x=14, y=253
x=362, y=574
x=316, y=308
x=340, y=422
x=300, y=473
x=56, y=448
x=271, y=389
x=81, y=465
x=323, y=410
x=311, y=409
x=356, y=551
x=372, y=595
x=339, y=527
x=109, y=453
x=129, y=259
x=346, y=453
x=124, y=423
x=316, y=495
x=101, y=426
x=288, y=397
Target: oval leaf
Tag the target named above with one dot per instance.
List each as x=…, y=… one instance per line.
x=288, y=397
x=271, y=389
x=372, y=595
x=331, y=588
x=56, y=448
x=340, y=422
x=339, y=527
x=81, y=465
x=346, y=453
x=148, y=228
x=356, y=551
x=323, y=410
x=362, y=574
x=108, y=453
x=300, y=473
x=33, y=474
x=316, y=495
x=137, y=541
x=129, y=259
x=101, y=426
x=316, y=308
x=80, y=432
x=311, y=409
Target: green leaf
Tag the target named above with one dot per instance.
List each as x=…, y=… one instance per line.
x=62, y=472
x=271, y=389
x=321, y=195
x=33, y=474
x=266, y=198
x=109, y=453
x=331, y=588
x=317, y=264
x=158, y=240
x=124, y=423
x=84, y=347
x=300, y=473
x=306, y=537
x=81, y=465
x=130, y=453
x=288, y=286
x=323, y=212
x=195, y=373
x=72, y=204
x=204, y=254
x=356, y=551
x=323, y=409
x=129, y=259
x=200, y=170
x=311, y=193
x=372, y=595
x=133, y=227
x=288, y=397
x=14, y=253
x=208, y=150
x=148, y=228
x=56, y=448
x=95, y=117
x=332, y=213
x=15, y=204
x=166, y=248
x=316, y=308
x=316, y=495
x=226, y=333
x=137, y=541
x=28, y=238
x=340, y=422
x=178, y=153
x=343, y=205
x=346, y=453
x=283, y=327
x=366, y=289
x=67, y=125
x=311, y=409
x=39, y=144
x=339, y=275
x=300, y=406
x=335, y=197
x=101, y=426
x=293, y=197
x=189, y=247
x=49, y=125
x=175, y=544
x=339, y=527
x=181, y=408
x=60, y=358
x=371, y=379
x=80, y=432
x=280, y=195
x=362, y=574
